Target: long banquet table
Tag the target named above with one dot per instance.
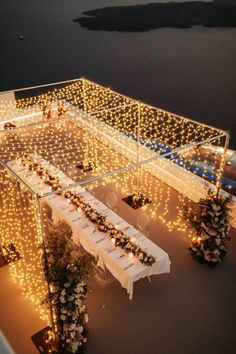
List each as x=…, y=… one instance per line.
x=125, y=269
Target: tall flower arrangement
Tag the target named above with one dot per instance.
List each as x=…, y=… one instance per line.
x=66, y=272
x=210, y=219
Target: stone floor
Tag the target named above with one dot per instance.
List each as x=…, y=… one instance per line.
x=190, y=311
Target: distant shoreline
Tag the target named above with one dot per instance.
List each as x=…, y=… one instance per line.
x=140, y=18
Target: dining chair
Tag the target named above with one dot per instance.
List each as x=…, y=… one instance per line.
x=48, y=211
x=111, y=200
x=66, y=228
x=143, y=223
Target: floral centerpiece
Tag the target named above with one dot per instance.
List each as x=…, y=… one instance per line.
x=117, y=236
x=9, y=126
x=42, y=172
x=210, y=219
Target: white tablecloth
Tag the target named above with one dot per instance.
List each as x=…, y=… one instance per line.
x=125, y=269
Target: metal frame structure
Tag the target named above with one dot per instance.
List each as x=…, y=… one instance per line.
x=138, y=162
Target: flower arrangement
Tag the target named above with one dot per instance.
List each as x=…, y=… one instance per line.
x=9, y=126
x=117, y=236
x=210, y=219
x=61, y=109
x=67, y=272
x=42, y=172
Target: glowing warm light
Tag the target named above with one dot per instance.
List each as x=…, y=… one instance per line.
x=83, y=122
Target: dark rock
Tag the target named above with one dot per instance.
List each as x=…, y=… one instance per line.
x=150, y=16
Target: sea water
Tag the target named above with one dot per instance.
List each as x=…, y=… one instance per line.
x=186, y=71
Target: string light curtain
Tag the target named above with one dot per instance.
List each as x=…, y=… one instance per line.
x=128, y=144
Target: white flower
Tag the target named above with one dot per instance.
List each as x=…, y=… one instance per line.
x=82, y=308
x=72, y=326
x=86, y=318
x=214, y=206
x=63, y=317
x=75, y=346
x=63, y=292
x=81, y=328
x=67, y=285
x=72, y=334
x=78, y=288
x=62, y=299
x=140, y=256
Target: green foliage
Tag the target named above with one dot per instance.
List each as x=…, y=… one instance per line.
x=66, y=272
x=210, y=219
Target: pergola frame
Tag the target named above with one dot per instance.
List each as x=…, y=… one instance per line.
x=219, y=133
x=135, y=165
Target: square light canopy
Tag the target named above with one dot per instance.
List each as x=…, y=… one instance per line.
x=109, y=133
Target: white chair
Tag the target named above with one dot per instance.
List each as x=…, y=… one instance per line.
x=48, y=211
x=49, y=227
x=143, y=223
x=111, y=200
x=65, y=228
x=104, y=278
